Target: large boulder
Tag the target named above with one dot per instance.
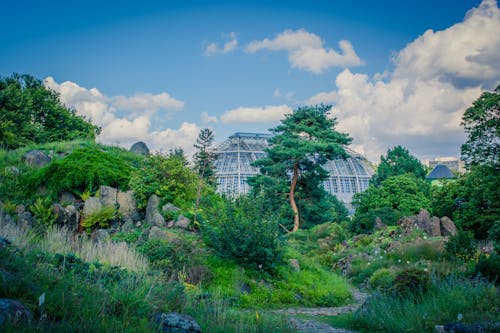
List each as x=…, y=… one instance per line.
x=92, y=206
x=100, y=236
x=182, y=222
x=435, y=227
x=66, y=198
x=448, y=228
x=168, y=207
x=157, y=233
x=59, y=213
x=176, y=323
x=25, y=219
x=140, y=148
x=12, y=311
x=108, y=196
x=72, y=218
x=127, y=207
x=153, y=216
x=36, y=158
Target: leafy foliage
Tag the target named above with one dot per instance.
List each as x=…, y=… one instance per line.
x=84, y=169
x=100, y=218
x=304, y=141
x=30, y=113
x=462, y=245
x=398, y=161
x=245, y=235
x=482, y=125
x=43, y=211
x=204, y=158
x=364, y=222
x=166, y=177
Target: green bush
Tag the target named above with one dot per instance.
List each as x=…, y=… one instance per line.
x=411, y=282
x=100, y=218
x=489, y=267
x=245, y=236
x=84, y=169
x=461, y=246
x=43, y=211
x=364, y=223
x=382, y=279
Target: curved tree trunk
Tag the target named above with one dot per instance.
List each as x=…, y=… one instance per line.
x=292, y=197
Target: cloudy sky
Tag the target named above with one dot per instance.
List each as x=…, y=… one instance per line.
x=396, y=72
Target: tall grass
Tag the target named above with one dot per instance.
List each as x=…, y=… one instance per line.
x=446, y=301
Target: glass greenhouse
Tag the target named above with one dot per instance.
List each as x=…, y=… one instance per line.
x=240, y=150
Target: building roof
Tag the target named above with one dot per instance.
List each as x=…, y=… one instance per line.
x=440, y=171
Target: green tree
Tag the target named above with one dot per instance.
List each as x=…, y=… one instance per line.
x=398, y=162
x=302, y=143
x=31, y=113
x=482, y=125
x=204, y=157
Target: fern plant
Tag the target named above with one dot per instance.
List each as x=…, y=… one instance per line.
x=43, y=211
x=100, y=218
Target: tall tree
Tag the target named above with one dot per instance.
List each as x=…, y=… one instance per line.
x=482, y=125
x=31, y=113
x=304, y=141
x=204, y=160
x=398, y=162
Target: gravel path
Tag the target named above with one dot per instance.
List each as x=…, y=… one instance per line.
x=314, y=326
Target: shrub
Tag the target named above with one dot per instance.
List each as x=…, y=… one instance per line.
x=363, y=223
x=462, y=245
x=489, y=267
x=411, y=282
x=43, y=211
x=245, y=236
x=100, y=218
x=382, y=279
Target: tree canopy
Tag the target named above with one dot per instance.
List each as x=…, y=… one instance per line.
x=398, y=161
x=31, y=113
x=304, y=141
x=482, y=125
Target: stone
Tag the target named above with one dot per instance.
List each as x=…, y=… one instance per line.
x=20, y=209
x=13, y=311
x=59, y=213
x=24, y=219
x=72, y=217
x=36, y=158
x=176, y=323
x=140, y=148
x=168, y=207
x=153, y=216
x=294, y=264
x=92, y=206
x=423, y=219
x=4, y=243
x=379, y=224
x=66, y=198
x=182, y=222
x=435, y=227
x=156, y=233
x=108, y=196
x=12, y=170
x=100, y=236
x=448, y=228
x=407, y=224
x=128, y=225
x=127, y=207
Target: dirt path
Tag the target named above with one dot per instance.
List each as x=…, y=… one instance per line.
x=314, y=326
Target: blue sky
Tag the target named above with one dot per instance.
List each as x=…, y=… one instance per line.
x=396, y=72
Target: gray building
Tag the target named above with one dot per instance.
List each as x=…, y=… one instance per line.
x=240, y=150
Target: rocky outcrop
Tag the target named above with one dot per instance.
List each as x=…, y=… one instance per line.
x=434, y=226
x=92, y=206
x=448, y=228
x=127, y=207
x=12, y=311
x=153, y=216
x=108, y=196
x=182, y=222
x=156, y=233
x=140, y=148
x=36, y=158
x=176, y=323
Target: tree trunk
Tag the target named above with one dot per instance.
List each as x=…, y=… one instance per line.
x=292, y=197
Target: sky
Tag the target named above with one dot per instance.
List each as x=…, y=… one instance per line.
x=395, y=72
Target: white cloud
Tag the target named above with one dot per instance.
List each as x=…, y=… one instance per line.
x=306, y=51
x=136, y=112
x=231, y=45
x=256, y=114
x=420, y=103
x=206, y=118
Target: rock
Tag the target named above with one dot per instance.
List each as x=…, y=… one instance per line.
x=72, y=217
x=156, y=233
x=92, y=206
x=108, y=196
x=13, y=311
x=59, y=213
x=24, y=219
x=378, y=224
x=4, y=243
x=294, y=264
x=12, y=170
x=128, y=226
x=448, y=228
x=423, y=219
x=182, y=222
x=127, y=207
x=244, y=288
x=100, y=236
x=20, y=209
x=66, y=198
x=168, y=207
x=463, y=328
x=435, y=227
x=407, y=224
x=176, y=323
x=153, y=216
x=140, y=148
x=36, y=158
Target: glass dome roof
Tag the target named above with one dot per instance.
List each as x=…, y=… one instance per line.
x=240, y=150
